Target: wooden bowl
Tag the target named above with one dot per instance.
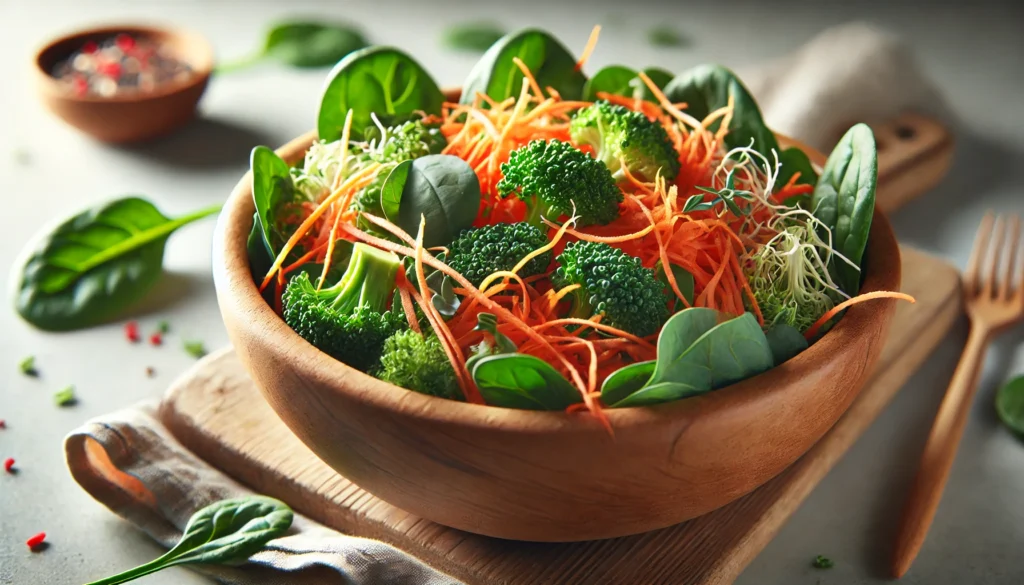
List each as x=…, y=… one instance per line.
x=548, y=476
x=132, y=117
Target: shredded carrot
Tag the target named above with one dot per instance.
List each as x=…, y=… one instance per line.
x=589, y=48
x=878, y=294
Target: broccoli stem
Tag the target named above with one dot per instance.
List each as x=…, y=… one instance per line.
x=535, y=210
x=369, y=281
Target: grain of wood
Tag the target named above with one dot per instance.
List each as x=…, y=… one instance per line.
x=217, y=412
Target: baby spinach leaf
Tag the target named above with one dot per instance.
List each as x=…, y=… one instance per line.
x=552, y=65
x=706, y=88
x=391, y=191
x=660, y=77
x=226, y=532
x=785, y=342
x=442, y=294
x=1010, y=405
x=658, y=394
x=684, y=280
x=443, y=189
x=795, y=161
x=678, y=334
x=304, y=44
x=95, y=264
x=844, y=201
x=515, y=380
x=625, y=381
x=379, y=80
x=474, y=37
x=272, y=186
x=613, y=79
x=488, y=323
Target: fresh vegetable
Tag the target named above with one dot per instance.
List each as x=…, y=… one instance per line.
x=1010, y=405
x=131, y=331
x=666, y=36
x=375, y=80
x=349, y=321
x=480, y=252
x=614, y=285
x=304, y=44
x=96, y=264
x=822, y=562
x=515, y=380
x=36, y=542
x=443, y=190
x=554, y=178
x=163, y=327
x=9, y=465
x=27, y=366
x=620, y=136
x=65, y=396
x=617, y=80
x=785, y=342
x=418, y=362
x=497, y=75
x=226, y=532
x=474, y=37
x=194, y=348
x=844, y=201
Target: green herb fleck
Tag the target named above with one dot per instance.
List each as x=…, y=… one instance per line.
x=28, y=366
x=666, y=36
x=66, y=396
x=475, y=37
x=163, y=326
x=195, y=349
x=822, y=562
x=1010, y=405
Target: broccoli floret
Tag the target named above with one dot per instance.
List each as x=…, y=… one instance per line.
x=553, y=177
x=418, y=363
x=350, y=320
x=478, y=253
x=613, y=284
x=618, y=134
x=411, y=140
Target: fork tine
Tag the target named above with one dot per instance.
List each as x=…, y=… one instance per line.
x=995, y=253
x=971, y=274
x=1012, y=251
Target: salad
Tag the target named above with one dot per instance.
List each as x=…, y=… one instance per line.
x=554, y=241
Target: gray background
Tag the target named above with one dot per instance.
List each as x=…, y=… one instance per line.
x=975, y=52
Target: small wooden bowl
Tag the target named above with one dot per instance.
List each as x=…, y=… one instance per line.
x=548, y=476
x=133, y=117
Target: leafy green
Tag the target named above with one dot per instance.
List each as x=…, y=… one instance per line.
x=304, y=44
x=391, y=191
x=194, y=348
x=474, y=37
x=272, y=186
x=666, y=36
x=678, y=335
x=376, y=80
x=844, y=201
x=822, y=562
x=552, y=65
x=660, y=77
x=515, y=380
x=226, y=532
x=1010, y=405
x=624, y=81
x=65, y=396
x=684, y=280
x=625, y=381
x=97, y=263
x=27, y=366
x=785, y=342
x=795, y=161
x=444, y=190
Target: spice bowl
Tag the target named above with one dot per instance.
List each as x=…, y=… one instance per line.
x=127, y=116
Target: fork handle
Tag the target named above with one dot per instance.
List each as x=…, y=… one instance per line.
x=940, y=451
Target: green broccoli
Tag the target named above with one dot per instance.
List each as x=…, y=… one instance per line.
x=350, y=320
x=554, y=177
x=410, y=140
x=619, y=134
x=478, y=253
x=613, y=284
x=418, y=363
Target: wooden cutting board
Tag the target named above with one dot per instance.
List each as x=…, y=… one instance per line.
x=216, y=411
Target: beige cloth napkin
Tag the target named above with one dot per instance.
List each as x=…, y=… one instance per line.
x=129, y=462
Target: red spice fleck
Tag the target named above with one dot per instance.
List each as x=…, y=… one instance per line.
x=150, y=371
x=156, y=338
x=9, y=465
x=110, y=69
x=90, y=47
x=80, y=85
x=34, y=542
x=3, y=424
x=131, y=331
x=125, y=42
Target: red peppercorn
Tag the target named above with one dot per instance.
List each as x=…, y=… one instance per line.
x=156, y=338
x=90, y=47
x=34, y=542
x=131, y=331
x=9, y=465
x=125, y=42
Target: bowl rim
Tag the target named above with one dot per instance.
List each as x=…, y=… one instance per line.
x=238, y=294
x=202, y=67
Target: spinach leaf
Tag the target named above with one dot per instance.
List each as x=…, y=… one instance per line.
x=93, y=265
x=226, y=532
x=552, y=65
x=844, y=201
x=795, y=161
x=442, y=294
x=488, y=323
x=443, y=189
x=379, y=80
x=679, y=333
x=305, y=44
x=613, y=79
x=391, y=191
x=666, y=36
x=785, y=342
x=1010, y=405
x=474, y=37
x=660, y=77
x=272, y=186
x=515, y=380
x=659, y=394
x=684, y=280
x=625, y=381
x=708, y=87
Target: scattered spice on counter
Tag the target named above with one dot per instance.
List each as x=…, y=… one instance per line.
x=195, y=349
x=9, y=465
x=150, y=371
x=118, y=65
x=3, y=424
x=163, y=327
x=131, y=331
x=36, y=542
x=66, y=396
x=28, y=366
x=822, y=562
x=156, y=339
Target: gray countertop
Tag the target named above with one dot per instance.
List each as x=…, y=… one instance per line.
x=974, y=52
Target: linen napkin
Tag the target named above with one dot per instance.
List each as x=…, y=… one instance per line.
x=129, y=462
